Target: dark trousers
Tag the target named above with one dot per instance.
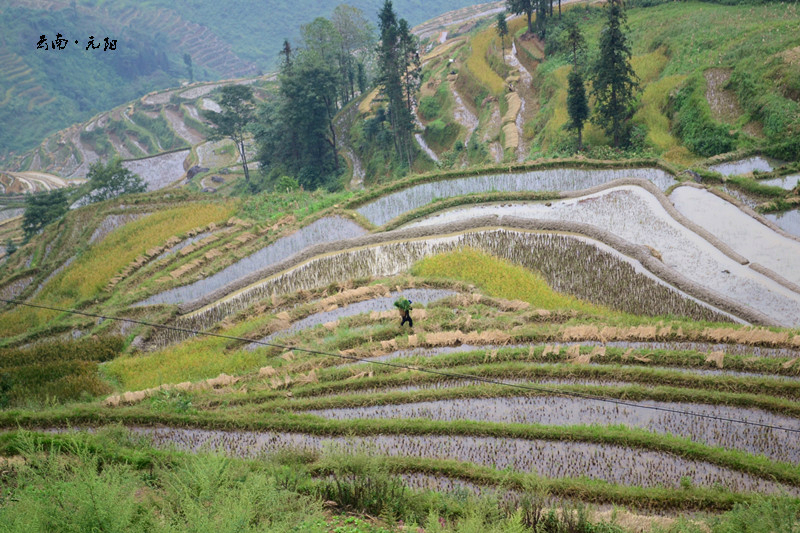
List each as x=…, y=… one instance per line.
x=407, y=318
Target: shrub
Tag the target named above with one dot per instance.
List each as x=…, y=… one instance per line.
x=694, y=125
x=429, y=107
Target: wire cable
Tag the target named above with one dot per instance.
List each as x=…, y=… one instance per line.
x=433, y=371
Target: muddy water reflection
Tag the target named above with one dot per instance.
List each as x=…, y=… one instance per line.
x=788, y=221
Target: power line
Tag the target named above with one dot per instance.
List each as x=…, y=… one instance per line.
x=481, y=379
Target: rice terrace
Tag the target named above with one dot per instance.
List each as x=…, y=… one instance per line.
x=527, y=265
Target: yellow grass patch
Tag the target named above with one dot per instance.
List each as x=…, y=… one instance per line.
x=497, y=277
x=791, y=56
x=479, y=66
x=514, y=105
x=192, y=360
x=510, y=136
x=365, y=106
x=649, y=66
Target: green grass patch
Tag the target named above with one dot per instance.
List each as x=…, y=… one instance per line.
x=55, y=371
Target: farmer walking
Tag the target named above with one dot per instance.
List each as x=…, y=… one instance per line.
x=404, y=306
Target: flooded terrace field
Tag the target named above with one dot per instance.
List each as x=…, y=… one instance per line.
x=384, y=209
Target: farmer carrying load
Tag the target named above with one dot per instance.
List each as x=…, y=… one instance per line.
x=404, y=306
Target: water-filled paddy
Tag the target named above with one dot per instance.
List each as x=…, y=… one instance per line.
x=744, y=166
x=159, y=171
x=784, y=182
x=744, y=234
x=788, y=221
x=553, y=459
x=388, y=207
x=635, y=215
x=326, y=229
x=778, y=445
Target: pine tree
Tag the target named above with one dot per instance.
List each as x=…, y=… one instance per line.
x=392, y=65
x=577, y=105
x=519, y=7
x=614, y=83
x=502, y=31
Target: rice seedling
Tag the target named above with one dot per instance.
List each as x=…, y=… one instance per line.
x=553, y=410
x=551, y=459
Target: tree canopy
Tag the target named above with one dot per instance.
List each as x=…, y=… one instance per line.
x=41, y=209
x=112, y=180
x=238, y=110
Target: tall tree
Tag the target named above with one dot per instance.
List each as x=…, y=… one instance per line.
x=577, y=105
x=392, y=65
x=41, y=209
x=614, y=83
x=295, y=133
x=357, y=41
x=286, y=52
x=112, y=180
x=187, y=60
x=518, y=7
x=237, y=106
x=502, y=31
x=409, y=63
x=541, y=18
x=576, y=43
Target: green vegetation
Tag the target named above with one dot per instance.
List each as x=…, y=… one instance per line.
x=693, y=122
x=237, y=112
x=43, y=208
x=112, y=180
x=55, y=372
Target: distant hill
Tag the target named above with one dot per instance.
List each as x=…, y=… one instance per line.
x=44, y=91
